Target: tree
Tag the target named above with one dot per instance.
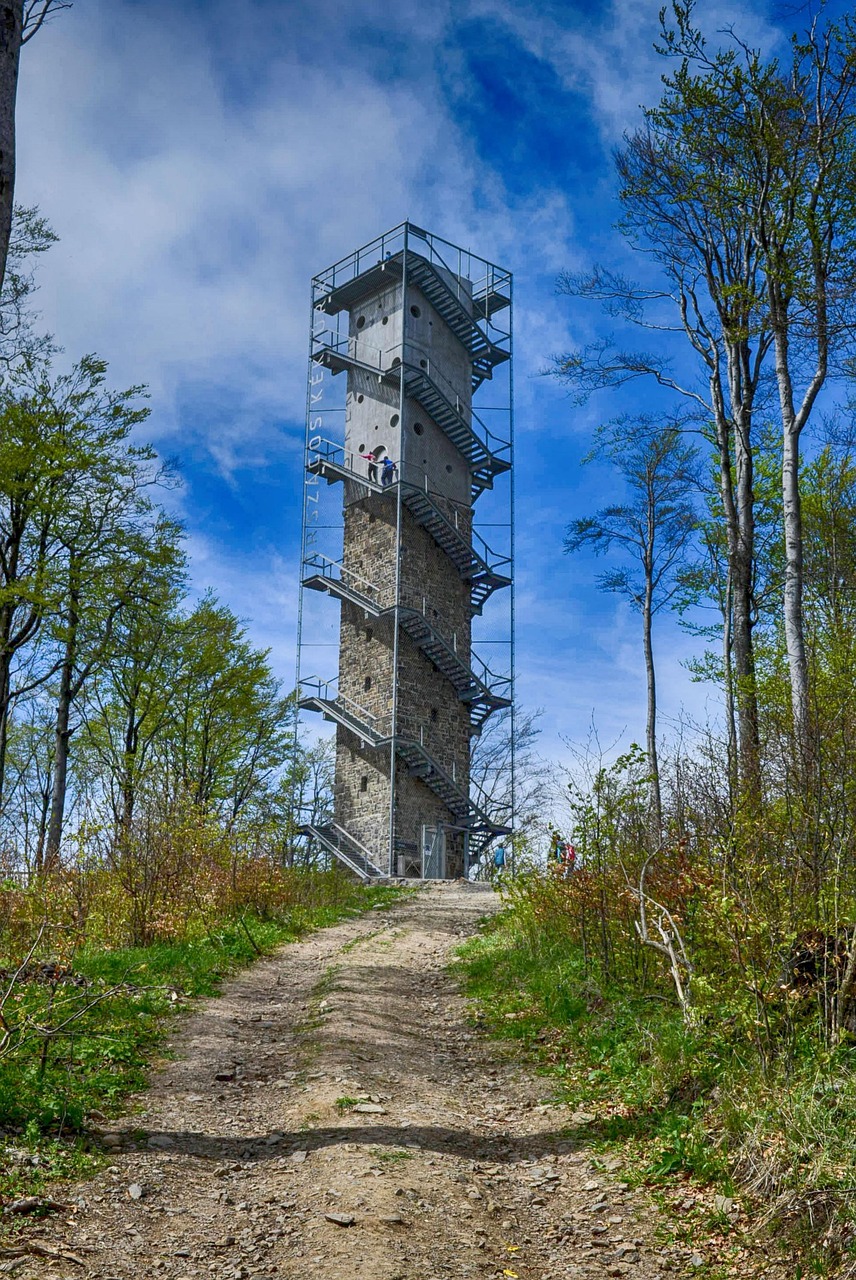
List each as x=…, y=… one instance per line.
x=229, y=726
x=790, y=133
x=306, y=800
x=20, y=20
x=654, y=529
x=107, y=564
x=127, y=705
x=507, y=775
x=63, y=451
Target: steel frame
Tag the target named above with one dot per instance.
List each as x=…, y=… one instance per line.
x=488, y=332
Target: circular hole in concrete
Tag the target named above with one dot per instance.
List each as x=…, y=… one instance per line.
x=423, y=364
x=396, y=362
x=360, y=398
x=385, y=320
x=360, y=321
x=362, y=448
x=418, y=428
x=449, y=467
x=393, y=422
x=416, y=311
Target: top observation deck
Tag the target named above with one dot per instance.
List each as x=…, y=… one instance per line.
x=471, y=294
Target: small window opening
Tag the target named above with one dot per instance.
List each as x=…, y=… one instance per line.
x=372, y=518
x=364, y=783
x=369, y=633
x=435, y=714
x=367, y=683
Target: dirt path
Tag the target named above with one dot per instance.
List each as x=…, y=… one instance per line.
x=241, y=1163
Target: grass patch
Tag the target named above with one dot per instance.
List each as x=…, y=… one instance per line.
x=80, y=1047
x=687, y=1111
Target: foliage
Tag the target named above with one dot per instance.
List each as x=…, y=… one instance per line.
x=87, y=1013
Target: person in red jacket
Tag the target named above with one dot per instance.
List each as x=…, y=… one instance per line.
x=372, y=461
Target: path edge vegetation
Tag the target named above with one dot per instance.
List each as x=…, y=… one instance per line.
x=670, y=1108
x=110, y=1011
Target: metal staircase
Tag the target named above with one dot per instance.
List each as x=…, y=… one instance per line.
x=478, y=692
x=484, y=464
x=472, y=567
x=341, y=354
x=481, y=572
x=454, y=309
x=419, y=763
x=342, y=845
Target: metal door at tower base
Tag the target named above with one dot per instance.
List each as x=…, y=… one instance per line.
x=433, y=853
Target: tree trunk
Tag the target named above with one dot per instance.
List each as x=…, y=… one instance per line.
x=793, y=590
x=738, y=506
x=792, y=616
x=5, y=661
x=129, y=765
x=656, y=813
x=62, y=736
x=11, y=23
x=728, y=668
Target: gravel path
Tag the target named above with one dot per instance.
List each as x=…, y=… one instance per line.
x=333, y=1114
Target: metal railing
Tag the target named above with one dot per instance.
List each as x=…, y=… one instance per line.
x=329, y=691
x=325, y=450
x=336, y=570
x=385, y=361
x=484, y=278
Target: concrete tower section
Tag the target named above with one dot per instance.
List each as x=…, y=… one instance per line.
x=409, y=334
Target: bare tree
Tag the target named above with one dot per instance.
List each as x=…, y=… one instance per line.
x=654, y=528
x=680, y=208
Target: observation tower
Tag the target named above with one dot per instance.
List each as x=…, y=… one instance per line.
x=406, y=617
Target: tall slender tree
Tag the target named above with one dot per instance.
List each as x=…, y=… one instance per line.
x=653, y=529
x=20, y=20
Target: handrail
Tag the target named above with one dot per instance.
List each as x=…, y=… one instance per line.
x=326, y=451
x=324, y=687
x=327, y=565
x=356, y=348
x=481, y=672
x=366, y=852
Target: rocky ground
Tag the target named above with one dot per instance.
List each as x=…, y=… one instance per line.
x=334, y=1114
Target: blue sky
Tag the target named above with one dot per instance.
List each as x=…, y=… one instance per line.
x=201, y=161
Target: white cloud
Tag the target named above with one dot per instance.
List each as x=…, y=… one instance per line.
x=195, y=192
